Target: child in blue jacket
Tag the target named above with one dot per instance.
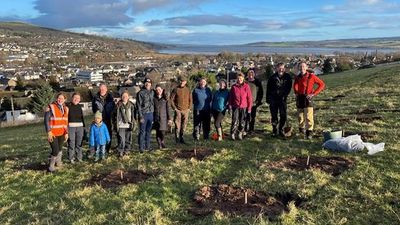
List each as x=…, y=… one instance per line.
x=99, y=136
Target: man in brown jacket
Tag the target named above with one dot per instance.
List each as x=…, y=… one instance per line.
x=181, y=101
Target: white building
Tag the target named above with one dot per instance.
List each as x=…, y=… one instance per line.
x=88, y=75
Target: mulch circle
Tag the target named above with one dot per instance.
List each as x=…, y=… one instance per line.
x=35, y=166
x=197, y=153
x=331, y=165
x=365, y=135
x=232, y=200
x=119, y=177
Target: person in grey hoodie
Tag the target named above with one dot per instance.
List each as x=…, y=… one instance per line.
x=202, y=97
x=125, y=123
x=145, y=109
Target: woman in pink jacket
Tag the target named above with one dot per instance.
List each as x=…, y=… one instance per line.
x=240, y=102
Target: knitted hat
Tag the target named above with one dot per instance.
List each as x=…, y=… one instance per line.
x=146, y=80
x=98, y=115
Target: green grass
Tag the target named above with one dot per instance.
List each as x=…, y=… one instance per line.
x=369, y=193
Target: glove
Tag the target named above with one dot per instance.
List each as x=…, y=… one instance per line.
x=141, y=120
x=65, y=137
x=50, y=136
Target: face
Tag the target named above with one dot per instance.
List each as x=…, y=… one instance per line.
x=76, y=99
x=280, y=69
x=97, y=120
x=147, y=85
x=222, y=85
x=303, y=68
x=60, y=99
x=159, y=91
x=125, y=97
x=240, y=79
x=250, y=75
x=103, y=90
x=183, y=83
x=202, y=83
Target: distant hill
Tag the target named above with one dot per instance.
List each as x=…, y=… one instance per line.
x=386, y=42
x=35, y=36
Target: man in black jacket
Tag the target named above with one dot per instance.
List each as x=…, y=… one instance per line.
x=257, y=92
x=278, y=89
x=103, y=102
x=145, y=110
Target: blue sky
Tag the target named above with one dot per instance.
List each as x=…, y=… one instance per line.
x=212, y=21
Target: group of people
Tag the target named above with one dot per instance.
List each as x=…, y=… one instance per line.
x=65, y=123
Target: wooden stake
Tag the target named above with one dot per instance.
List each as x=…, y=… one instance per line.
x=195, y=153
x=122, y=175
x=245, y=197
x=308, y=160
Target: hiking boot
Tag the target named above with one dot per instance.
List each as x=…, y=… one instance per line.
x=72, y=161
x=301, y=130
x=274, y=131
x=240, y=136
x=182, y=141
x=59, y=160
x=52, y=163
x=309, y=134
x=233, y=137
x=219, y=131
x=121, y=154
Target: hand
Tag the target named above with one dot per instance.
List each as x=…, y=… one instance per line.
x=65, y=137
x=249, y=112
x=170, y=123
x=141, y=120
x=309, y=97
x=50, y=136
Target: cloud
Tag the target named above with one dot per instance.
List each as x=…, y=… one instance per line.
x=140, y=29
x=139, y=6
x=81, y=13
x=183, y=31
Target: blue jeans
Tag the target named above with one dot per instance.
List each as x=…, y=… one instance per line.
x=101, y=151
x=145, y=132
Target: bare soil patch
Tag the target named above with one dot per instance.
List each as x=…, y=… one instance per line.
x=197, y=153
x=332, y=165
x=365, y=135
x=241, y=201
x=35, y=166
x=13, y=157
x=120, y=177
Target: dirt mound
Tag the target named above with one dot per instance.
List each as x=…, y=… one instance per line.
x=390, y=110
x=334, y=99
x=362, y=119
x=35, y=166
x=322, y=108
x=365, y=135
x=197, y=153
x=332, y=165
x=241, y=201
x=119, y=177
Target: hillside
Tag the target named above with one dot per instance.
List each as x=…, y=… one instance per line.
x=362, y=189
x=36, y=37
x=380, y=43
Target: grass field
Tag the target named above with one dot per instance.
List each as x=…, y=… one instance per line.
x=367, y=193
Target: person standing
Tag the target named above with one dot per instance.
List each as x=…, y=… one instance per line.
x=145, y=108
x=76, y=126
x=257, y=95
x=124, y=123
x=241, y=103
x=278, y=88
x=56, y=125
x=162, y=118
x=99, y=137
x=219, y=105
x=181, y=101
x=202, y=97
x=304, y=90
x=103, y=102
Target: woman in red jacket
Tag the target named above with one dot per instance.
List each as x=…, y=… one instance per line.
x=240, y=102
x=304, y=89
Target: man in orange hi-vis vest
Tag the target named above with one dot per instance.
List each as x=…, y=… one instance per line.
x=56, y=124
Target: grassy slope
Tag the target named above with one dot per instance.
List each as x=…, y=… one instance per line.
x=367, y=194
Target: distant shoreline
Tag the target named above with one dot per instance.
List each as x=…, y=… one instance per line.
x=244, y=49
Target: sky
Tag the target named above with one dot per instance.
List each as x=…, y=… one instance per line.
x=212, y=21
